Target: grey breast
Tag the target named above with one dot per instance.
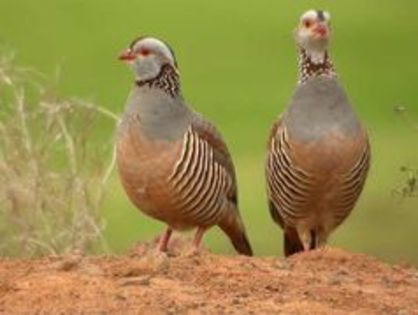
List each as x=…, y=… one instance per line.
x=318, y=107
x=160, y=116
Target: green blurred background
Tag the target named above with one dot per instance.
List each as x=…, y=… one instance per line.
x=238, y=66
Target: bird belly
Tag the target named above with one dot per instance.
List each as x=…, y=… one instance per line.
x=329, y=161
x=310, y=183
x=144, y=167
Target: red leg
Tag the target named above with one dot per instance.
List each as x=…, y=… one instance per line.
x=163, y=242
x=198, y=238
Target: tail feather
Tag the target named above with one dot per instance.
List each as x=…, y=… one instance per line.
x=292, y=243
x=242, y=245
x=234, y=228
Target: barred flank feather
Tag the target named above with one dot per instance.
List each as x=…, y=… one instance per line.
x=289, y=186
x=200, y=181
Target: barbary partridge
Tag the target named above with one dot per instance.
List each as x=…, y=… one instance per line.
x=318, y=151
x=173, y=164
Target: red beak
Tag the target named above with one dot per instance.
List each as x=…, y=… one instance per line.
x=127, y=55
x=321, y=30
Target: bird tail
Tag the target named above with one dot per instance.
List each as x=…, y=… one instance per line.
x=233, y=226
x=293, y=243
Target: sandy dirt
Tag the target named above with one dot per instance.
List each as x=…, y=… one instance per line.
x=328, y=281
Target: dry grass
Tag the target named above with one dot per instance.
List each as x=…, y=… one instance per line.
x=409, y=186
x=53, y=171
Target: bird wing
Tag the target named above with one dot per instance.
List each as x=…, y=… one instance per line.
x=352, y=182
x=288, y=185
x=208, y=132
x=231, y=223
x=274, y=212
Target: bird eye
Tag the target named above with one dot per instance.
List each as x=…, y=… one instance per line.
x=145, y=52
x=307, y=23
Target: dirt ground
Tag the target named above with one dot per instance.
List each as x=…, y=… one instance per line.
x=329, y=281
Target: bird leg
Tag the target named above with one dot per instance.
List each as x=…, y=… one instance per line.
x=322, y=239
x=165, y=237
x=198, y=238
x=305, y=238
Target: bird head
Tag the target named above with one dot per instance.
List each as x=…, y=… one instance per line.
x=147, y=55
x=313, y=31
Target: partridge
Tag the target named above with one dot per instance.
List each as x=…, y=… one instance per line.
x=318, y=151
x=173, y=164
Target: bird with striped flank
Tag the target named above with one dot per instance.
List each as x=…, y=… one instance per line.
x=173, y=164
x=318, y=151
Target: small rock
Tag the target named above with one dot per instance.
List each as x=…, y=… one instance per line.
x=120, y=296
x=69, y=262
x=282, y=264
x=143, y=280
x=335, y=280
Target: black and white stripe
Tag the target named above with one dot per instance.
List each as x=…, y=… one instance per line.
x=351, y=186
x=167, y=80
x=288, y=186
x=200, y=182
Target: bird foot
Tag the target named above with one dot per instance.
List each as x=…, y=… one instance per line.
x=195, y=249
x=323, y=249
x=157, y=253
x=192, y=251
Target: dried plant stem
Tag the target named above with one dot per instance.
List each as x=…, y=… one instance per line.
x=53, y=172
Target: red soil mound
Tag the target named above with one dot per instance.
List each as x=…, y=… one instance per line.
x=328, y=281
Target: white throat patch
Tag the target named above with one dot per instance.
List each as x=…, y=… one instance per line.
x=317, y=57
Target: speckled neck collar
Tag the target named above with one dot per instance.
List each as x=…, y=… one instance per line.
x=309, y=69
x=167, y=80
